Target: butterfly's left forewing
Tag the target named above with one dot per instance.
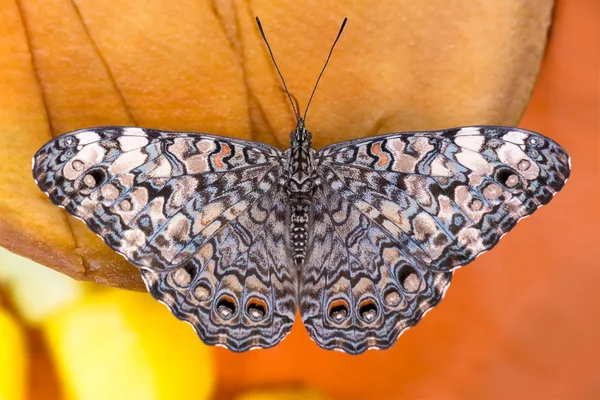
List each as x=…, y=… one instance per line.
x=200, y=215
x=394, y=215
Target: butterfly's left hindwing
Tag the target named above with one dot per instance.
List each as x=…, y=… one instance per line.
x=200, y=215
x=394, y=215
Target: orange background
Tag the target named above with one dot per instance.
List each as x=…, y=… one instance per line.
x=520, y=322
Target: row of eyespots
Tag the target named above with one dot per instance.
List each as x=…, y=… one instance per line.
x=256, y=308
x=368, y=311
x=339, y=309
x=226, y=305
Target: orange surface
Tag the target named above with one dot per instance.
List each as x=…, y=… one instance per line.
x=201, y=65
x=520, y=322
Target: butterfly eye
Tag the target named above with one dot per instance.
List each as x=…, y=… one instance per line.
x=368, y=310
x=256, y=309
x=409, y=279
x=338, y=310
x=226, y=307
x=507, y=177
x=94, y=178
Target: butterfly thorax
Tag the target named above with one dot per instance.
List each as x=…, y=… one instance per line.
x=300, y=169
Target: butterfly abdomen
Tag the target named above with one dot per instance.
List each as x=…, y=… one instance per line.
x=300, y=205
x=300, y=169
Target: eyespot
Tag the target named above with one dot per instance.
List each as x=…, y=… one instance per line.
x=367, y=310
x=524, y=165
x=202, y=291
x=256, y=309
x=226, y=307
x=191, y=269
x=94, y=178
x=77, y=165
x=125, y=205
x=458, y=220
x=109, y=192
x=507, y=177
x=184, y=275
x=492, y=191
x=338, y=310
x=535, y=141
x=409, y=279
x=145, y=223
x=476, y=204
x=68, y=141
x=391, y=297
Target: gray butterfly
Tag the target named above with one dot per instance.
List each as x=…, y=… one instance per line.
x=363, y=236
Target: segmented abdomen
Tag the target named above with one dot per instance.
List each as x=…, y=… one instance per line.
x=300, y=205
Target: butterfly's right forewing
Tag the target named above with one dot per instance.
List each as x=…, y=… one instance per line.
x=201, y=216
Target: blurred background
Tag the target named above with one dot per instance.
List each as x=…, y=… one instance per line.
x=520, y=322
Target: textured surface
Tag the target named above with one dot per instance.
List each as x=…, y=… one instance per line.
x=209, y=221
x=399, y=66
x=522, y=332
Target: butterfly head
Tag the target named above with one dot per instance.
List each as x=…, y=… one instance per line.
x=300, y=136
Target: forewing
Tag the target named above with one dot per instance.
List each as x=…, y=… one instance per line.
x=396, y=214
x=201, y=216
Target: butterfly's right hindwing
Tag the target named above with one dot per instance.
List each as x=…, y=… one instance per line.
x=201, y=216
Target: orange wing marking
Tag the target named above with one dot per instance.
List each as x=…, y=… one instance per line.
x=218, y=158
x=384, y=159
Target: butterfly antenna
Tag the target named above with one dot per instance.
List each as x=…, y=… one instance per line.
x=324, y=66
x=262, y=32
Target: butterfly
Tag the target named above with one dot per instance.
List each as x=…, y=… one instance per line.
x=363, y=236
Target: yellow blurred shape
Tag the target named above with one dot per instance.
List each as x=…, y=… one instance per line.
x=13, y=359
x=36, y=291
x=283, y=394
x=116, y=344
